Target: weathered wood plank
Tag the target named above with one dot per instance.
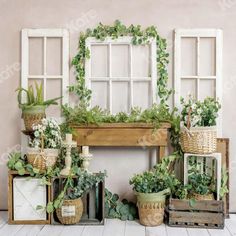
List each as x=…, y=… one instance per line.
x=231, y=226
x=93, y=230
x=30, y=230
x=134, y=228
x=219, y=232
x=213, y=206
x=114, y=227
x=156, y=231
x=72, y=230
x=197, y=232
x=52, y=230
x=176, y=231
x=10, y=229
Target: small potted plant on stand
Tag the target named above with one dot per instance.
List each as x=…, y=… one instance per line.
x=198, y=133
x=44, y=148
x=33, y=109
x=151, y=188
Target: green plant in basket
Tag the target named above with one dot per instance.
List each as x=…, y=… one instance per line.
x=34, y=106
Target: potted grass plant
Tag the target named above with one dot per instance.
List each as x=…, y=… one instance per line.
x=198, y=132
x=44, y=147
x=33, y=108
x=151, y=188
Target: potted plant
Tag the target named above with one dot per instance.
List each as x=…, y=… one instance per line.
x=198, y=133
x=151, y=188
x=44, y=147
x=68, y=204
x=33, y=109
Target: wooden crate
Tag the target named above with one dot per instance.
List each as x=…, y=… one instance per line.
x=11, y=220
x=93, y=202
x=203, y=214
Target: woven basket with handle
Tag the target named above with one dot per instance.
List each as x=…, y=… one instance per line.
x=42, y=158
x=198, y=140
x=70, y=212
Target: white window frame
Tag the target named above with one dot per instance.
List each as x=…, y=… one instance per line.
x=199, y=33
x=25, y=76
x=126, y=40
x=45, y=33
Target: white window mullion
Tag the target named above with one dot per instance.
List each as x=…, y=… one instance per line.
x=198, y=68
x=110, y=77
x=45, y=68
x=131, y=78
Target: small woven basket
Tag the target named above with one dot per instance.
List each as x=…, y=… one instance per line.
x=208, y=197
x=151, y=214
x=42, y=158
x=71, y=211
x=32, y=119
x=198, y=140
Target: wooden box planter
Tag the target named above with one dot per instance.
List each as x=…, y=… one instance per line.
x=203, y=214
x=23, y=205
x=93, y=203
x=123, y=134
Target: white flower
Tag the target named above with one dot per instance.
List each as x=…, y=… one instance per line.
x=44, y=121
x=36, y=134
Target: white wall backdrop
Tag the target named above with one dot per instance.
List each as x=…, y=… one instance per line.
x=77, y=15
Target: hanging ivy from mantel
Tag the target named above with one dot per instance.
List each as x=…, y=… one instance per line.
x=140, y=37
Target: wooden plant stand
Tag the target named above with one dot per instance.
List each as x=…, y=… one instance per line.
x=123, y=135
x=203, y=214
x=93, y=203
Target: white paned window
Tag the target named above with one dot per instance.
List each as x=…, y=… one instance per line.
x=45, y=58
x=121, y=75
x=198, y=65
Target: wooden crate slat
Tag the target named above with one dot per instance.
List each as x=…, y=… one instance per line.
x=182, y=205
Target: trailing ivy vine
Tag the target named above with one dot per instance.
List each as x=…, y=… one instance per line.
x=139, y=37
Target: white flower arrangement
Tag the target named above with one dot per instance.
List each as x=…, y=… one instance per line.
x=50, y=131
x=203, y=113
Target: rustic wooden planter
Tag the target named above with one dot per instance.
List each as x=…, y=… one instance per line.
x=124, y=135
x=203, y=214
x=93, y=203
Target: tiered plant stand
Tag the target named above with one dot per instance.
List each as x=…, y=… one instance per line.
x=124, y=134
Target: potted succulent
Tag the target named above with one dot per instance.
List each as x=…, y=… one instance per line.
x=44, y=147
x=151, y=188
x=33, y=109
x=198, y=132
x=68, y=204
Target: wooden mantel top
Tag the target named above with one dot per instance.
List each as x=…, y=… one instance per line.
x=164, y=125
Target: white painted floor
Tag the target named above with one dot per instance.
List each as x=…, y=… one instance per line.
x=111, y=228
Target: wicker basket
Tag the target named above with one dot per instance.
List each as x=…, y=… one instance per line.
x=42, y=158
x=151, y=207
x=70, y=212
x=198, y=140
x=197, y=196
x=33, y=115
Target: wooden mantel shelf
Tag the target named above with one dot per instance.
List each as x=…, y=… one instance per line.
x=123, y=135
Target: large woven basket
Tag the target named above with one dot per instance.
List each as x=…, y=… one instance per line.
x=151, y=207
x=197, y=196
x=42, y=158
x=70, y=212
x=198, y=140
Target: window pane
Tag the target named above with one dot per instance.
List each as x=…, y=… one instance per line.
x=120, y=60
x=99, y=61
x=142, y=94
x=54, y=56
x=188, y=86
x=36, y=56
x=188, y=56
x=141, y=61
x=206, y=88
x=53, y=90
x=207, y=56
x=100, y=94
x=120, y=99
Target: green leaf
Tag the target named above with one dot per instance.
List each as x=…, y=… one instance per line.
x=18, y=165
x=21, y=171
x=39, y=207
x=50, y=207
x=35, y=170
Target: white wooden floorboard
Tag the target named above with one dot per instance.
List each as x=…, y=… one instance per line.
x=219, y=232
x=72, y=230
x=230, y=224
x=176, y=231
x=197, y=232
x=114, y=227
x=134, y=228
x=156, y=231
x=3, y=218
x=51, y=230
x=10, y=230
x=29, y=230
x=96, y=230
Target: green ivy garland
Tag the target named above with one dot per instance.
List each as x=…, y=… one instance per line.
x=140, y=37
